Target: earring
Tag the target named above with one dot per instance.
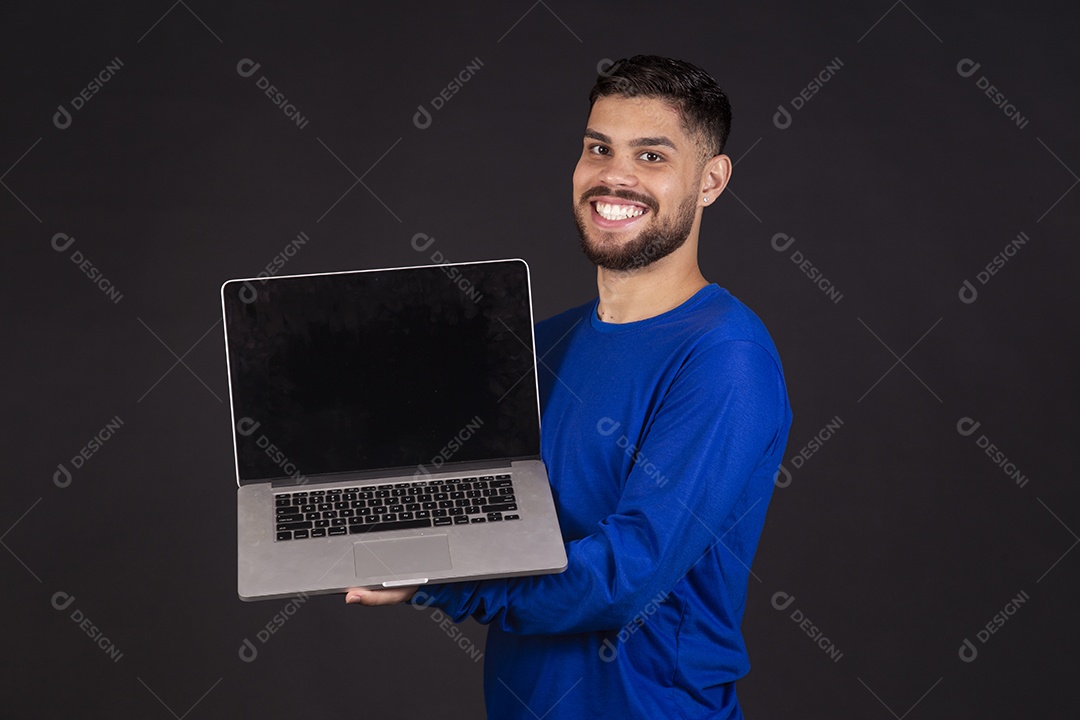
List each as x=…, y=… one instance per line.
x=706, y=198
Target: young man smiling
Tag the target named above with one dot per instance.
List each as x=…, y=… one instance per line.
x=665, y=417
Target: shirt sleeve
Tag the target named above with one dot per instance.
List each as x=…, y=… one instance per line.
x=724, y=417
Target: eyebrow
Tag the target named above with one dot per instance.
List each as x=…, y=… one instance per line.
x=636, y=142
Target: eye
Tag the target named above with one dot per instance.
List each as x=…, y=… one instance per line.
x=598, y=149
x=651, y=157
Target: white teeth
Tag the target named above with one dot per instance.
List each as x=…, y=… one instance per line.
x=618, y=212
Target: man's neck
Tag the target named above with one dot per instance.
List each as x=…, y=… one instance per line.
x=631, y=296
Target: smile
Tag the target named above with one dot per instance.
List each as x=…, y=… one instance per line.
x=610, y=211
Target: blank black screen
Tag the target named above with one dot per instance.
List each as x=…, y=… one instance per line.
x=354, y=372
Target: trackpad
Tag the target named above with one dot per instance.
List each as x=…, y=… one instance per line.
x=402, y=556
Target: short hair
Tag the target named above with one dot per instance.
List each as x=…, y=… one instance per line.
x=702, y=105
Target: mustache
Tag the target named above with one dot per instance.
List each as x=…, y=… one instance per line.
x=600, y=191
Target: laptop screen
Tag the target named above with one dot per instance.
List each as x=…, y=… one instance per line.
x=383, y=369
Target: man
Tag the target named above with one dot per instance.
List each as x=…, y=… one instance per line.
x=665, y=417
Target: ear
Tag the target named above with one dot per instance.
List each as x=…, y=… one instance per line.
x=714, y=178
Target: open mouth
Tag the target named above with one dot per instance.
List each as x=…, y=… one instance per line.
x=614, y=212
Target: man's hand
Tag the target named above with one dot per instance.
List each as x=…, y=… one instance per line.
x=380, y=596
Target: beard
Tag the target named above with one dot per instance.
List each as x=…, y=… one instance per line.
x=649, y=245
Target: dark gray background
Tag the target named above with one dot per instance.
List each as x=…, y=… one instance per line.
x=899, y=180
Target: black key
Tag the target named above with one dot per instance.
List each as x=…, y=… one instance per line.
x=356, y=521
x=371, y=519
x=438, y=513
x=502, y=477
x=325, y=506
x=506, y=491
x=406, y=516
x=302, y=493
x=456, y=511
x=363, y=511
x=385, y=487
x=322, y=523
x=341, y=504
x=318, y=533
x=462, y=520
x=357, y=504
x=457, y=495
x=487, y=477
x=482, y=485
x=282, y=501
x=494, y=517
x=441, y=496
x=396, y=508
x=412, y=507
x=479, y=519
x=318, y=492
x=426, y=497
x=464, y=502
x=398, y=492
x=439, y=522
x=284, y=535
x=399, y=525
x=446, y=503
x=499, y=508
x=312, y=516
x=465, y=486
x=330, y=514
x=336, y=491
x=307, y=508
x=388, y=517
x=300, y=534
x=472, y=510
x=352, y=490
x=365, y=495
x=338, y=531
x=291, y=510
x=347, y=513
x=429, y=505
x=338, y=522
x=480, y=501
x=423, y=513
x=488, y=492
x=298, y=525
x=300, y=501
x=382, y=493
x=349, y=495
x=420, y=483
x=511, y=517
x=414, y=491
x=473, y=493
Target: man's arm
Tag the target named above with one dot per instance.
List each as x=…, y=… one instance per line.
x=725, y=415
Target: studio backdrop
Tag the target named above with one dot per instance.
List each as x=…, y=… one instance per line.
x=903, y=216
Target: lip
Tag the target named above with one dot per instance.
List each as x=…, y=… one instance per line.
x=600, y=221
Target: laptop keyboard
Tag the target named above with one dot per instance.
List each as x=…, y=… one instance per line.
x=397, y=506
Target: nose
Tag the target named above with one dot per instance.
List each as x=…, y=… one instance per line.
x=618, y=172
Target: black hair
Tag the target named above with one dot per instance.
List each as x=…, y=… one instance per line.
x=703, y=106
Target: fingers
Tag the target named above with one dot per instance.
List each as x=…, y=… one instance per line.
x=382, y=596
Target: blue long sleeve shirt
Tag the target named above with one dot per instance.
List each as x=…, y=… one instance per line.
x=662, y=439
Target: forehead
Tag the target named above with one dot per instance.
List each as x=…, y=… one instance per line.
x=628, y=118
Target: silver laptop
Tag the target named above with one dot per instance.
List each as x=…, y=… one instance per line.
x=386, y=428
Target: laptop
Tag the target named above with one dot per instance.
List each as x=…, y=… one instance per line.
x=386, y=429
